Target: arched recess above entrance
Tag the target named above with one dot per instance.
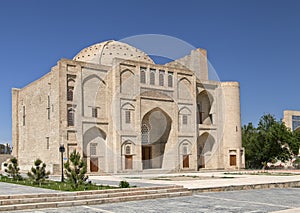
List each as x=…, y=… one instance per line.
x=128, y=148
x=205, y=144
x=205, y=147
x=184, y=151
x=155, y=131
x=94, y=96
x=185, y=147
x=185, y=111
x=184, y=88
x=127, y=71
x=94, y=149
x=90, y=77
x=204, y=107
x=127, y=154
x=159, y=125
x=127, y=81
x=98, y=137
x=184, y=119
x=127, y=106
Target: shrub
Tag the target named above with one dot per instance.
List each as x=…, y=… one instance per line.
x=38, y=172
x=124, y=184
x=296, y=163
x=75, y=170
x=13, y=169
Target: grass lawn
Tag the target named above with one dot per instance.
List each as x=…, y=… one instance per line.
x=54, y=185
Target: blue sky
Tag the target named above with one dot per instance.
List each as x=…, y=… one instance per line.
x=255, y=42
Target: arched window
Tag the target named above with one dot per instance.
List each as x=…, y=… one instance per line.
x=152, y=76
x=143, y=75
x=170, y=79
x=70, y=86
x=184, y=150
x=127, y=114
x=184, y=119
x=71, y=117
x=70, y=94
x=93, y=149
x=127, y=150
x=127, y=117
x=161, y=77
x=145, y=134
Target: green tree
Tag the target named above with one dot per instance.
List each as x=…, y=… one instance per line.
x=251, y=145
x=270, y=141
x=75, y=170
x=13, y=169
x=38, y=172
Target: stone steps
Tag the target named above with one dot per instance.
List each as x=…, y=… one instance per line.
x=67, y=199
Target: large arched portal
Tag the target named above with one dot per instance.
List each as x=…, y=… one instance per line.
x=204, y=104
x=205, y=145
x=155, y=130
x=94, y=148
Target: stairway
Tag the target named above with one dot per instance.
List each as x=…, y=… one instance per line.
x=67, y=199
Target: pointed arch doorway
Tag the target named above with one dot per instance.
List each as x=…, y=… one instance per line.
x=94, y=146
x=155, y=131
x=205, y=145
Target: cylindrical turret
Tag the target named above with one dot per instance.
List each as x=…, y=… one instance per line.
x=232, y=135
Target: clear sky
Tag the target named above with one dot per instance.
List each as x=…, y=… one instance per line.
x=255, y=42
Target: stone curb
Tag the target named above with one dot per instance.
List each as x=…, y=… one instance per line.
x=55, y=200
x=43, y=198
x=247, y=187
x=89, y=192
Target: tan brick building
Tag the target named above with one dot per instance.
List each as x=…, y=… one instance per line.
x=124, y=113
x=291, y=118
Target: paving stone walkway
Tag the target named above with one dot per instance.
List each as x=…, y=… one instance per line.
x=266, y=200
x=12, y=189
x=209, y=179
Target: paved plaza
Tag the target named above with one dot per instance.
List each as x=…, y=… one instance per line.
x=14, y=189
x=201, y=179
x=263, y=200
x=268, y=200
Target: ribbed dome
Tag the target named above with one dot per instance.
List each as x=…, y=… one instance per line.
x=104, y=53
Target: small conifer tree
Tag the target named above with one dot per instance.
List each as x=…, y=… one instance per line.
x=75, y=170
x=38, y=172
x=13, y=169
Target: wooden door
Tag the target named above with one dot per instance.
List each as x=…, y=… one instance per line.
x=232, y=160
x=94, y=165
x=146, y=157
x=202, y=161
x=186, y=162
x=128, y=161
